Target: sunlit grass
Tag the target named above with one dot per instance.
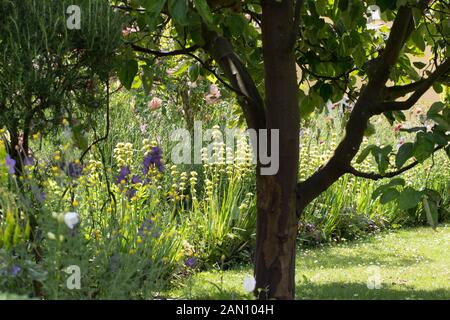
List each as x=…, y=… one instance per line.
x=413, y=264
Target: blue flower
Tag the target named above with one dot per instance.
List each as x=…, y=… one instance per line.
x=123, y=174
x=11, y=164
x=131, y=193
x=190, y=262
x=15, y=270
x=145, y=228
x=153, y=158
x=74, y=170
x=148, y=228
x=28, y=161
x=135, y=179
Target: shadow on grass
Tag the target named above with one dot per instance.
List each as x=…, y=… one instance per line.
x=335, y=291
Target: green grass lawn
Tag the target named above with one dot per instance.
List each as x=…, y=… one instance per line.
x=412, y=264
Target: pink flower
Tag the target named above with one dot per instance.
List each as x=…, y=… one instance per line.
x=214, y=94
x=128, y=30
x=214, y=90
x=397, y=128
x=155, y=104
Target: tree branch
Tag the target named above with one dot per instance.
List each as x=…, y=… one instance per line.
x=167, y=53
x=222, y=51
x=421, y=88
x=378, y=75
x=377, y=176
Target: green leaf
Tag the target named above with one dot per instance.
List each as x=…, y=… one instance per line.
x=438, y=88
x=154, y=6
x=417, y=38
x=79, y=138
x=237, y=24
x=435, y=108
x=359, y=55
x=409, y=198
x=127, y=73
x=423, y=147
x=182, y=68
x=389, y=195
x=441, y=121
x=309, y=103
x=394, y=182
x=326, y=91
x=147, y=79
x=381, y=156
x=363, y=155
x=404, y=153
x=153, y=10
x=203, y=9
x=194, y=72
x=178, y=9
x=386, y=4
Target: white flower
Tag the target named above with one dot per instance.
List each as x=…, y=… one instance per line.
x=249, y=284
x=71, y=219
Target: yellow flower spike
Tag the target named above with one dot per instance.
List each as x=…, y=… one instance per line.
x=75, y=203
x=65, y=122
x=36, y=136
x=139, y=240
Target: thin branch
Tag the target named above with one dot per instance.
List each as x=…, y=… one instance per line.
x=318, y=76
x=107, y=124
x=378, y=176
x=207, y=67
x=423, y=87
x=167, y=53
x=395, y=92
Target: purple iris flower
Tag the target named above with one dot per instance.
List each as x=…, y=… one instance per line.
x=74, y=170
x=148, y=228
x=153, y=158
x=123, y=174
x=11, y=164
x=135, y=179
x=190, y=262
x=131, y=193
x=15, y=269
x=28, y=161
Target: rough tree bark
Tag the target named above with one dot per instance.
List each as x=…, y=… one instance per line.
x=276, y=203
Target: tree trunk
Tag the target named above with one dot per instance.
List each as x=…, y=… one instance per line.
x=276, y=195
